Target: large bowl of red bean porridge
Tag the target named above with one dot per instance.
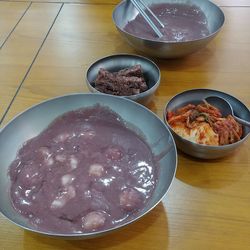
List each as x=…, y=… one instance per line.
x=84, y=165
x=189, y=25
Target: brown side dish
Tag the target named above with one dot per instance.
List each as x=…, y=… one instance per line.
x=126, y=82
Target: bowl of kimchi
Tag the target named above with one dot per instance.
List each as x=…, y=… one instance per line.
x=199, y=129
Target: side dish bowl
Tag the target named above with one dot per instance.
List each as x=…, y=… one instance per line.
x=114, y=63
x=34, y=120
x=195, y=96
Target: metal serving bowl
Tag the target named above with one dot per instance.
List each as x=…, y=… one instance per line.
x=195, y=96
x=117, y=62
x=125, y=12
x=34, y=120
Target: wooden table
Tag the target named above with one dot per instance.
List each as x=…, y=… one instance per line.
x=45, y=49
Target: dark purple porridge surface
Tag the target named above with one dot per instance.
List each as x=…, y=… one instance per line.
x=86, y=172
x=182, y=23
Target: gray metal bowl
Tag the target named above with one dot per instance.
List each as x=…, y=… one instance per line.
x=125, y=12
x=34, y=120
x=195, y=96
x=117, y=62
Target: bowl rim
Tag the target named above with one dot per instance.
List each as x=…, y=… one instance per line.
x=110, y=230
x=116, y=56
x=210, y=35
x=194, y=143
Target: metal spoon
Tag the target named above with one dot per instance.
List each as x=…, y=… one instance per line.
x=225, y=107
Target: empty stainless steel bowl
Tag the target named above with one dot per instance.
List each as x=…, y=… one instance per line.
x=117, y=62
x=125, y=12
x=195, y=96
x=34, y=120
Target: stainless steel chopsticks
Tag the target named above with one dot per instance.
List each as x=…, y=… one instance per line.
x=146, y=17
x=152, y=13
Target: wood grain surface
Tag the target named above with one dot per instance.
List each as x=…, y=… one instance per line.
x=208, y=205
x=18, y=53
x=10, y=15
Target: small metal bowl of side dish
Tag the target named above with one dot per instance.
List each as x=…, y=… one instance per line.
x=125, y=13
x=36, y=119
x=195, y=96
x=115, y=63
